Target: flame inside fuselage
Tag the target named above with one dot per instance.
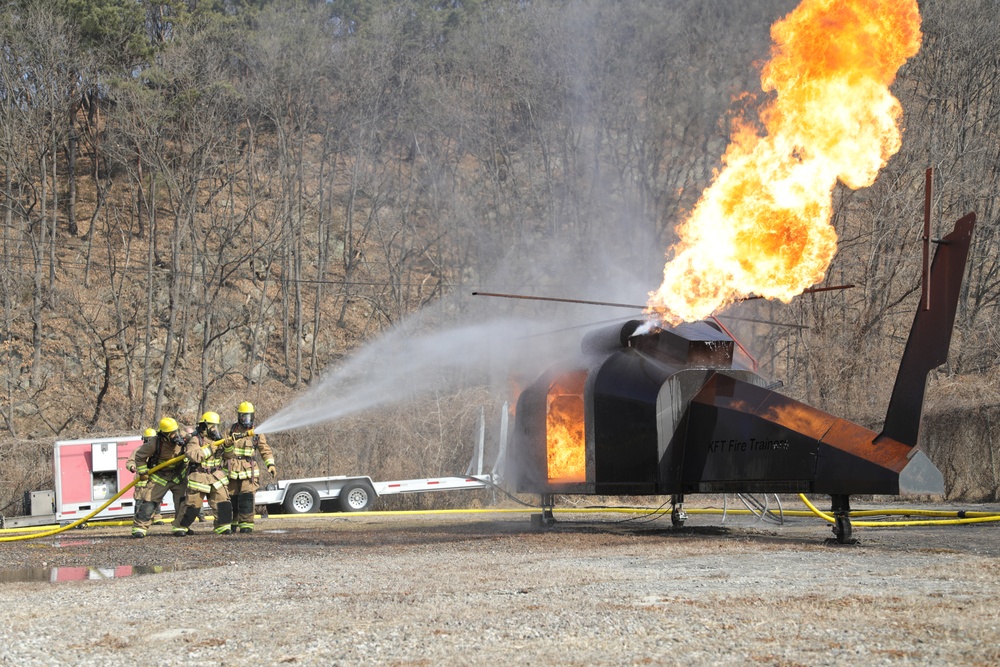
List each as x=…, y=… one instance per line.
x=566, y=443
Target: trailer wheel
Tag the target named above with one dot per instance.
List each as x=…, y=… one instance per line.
x=356, y=497
x=301, y=500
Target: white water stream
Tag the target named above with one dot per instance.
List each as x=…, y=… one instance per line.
x=402, y=364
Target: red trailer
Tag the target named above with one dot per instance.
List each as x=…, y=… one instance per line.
x=89, y=472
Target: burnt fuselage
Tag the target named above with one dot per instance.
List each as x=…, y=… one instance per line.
x=671, y=412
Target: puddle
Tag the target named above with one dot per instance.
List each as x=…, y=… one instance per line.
x=74, y=543
x=61, y=574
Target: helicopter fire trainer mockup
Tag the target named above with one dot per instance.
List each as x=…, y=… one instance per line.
x=672, y=411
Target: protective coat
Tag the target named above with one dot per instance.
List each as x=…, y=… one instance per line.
x=243, y=471
x=151, y=453
x=206, y=478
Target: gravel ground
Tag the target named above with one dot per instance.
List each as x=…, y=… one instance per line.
x=471, y=589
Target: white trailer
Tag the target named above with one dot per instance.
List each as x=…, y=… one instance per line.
x=355, y=494
x=359, y=493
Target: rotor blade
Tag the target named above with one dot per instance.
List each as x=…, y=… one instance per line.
x=559, y=300
x=755, y=321
x=811, y=290
x=633, y=306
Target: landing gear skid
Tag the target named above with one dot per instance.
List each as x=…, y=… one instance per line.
x=677, y=514
x=546, y=518
x=841, y=508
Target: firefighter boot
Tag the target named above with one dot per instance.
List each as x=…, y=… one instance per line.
x=225, y=515
x=244, y=503
x=143, y=516
x=190, y=514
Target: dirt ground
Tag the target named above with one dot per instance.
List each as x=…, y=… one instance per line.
x=592, y=589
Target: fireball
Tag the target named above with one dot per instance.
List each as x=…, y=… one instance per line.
x=764, y=224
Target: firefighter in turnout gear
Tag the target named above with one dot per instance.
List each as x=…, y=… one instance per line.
x=142, y=485
x=206, y=477
x=241, y=465
x=168, y=444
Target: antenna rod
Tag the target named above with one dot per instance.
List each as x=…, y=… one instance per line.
x=633, y=306
x=811, y=290
x=925, y=283
x=559, y=300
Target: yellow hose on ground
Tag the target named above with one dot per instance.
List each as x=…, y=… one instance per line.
x=518, y=510
x=969, y=517
x=961, y=514
x=984, y=518
x=991, y=516
x=961, y=517
x=56, y=531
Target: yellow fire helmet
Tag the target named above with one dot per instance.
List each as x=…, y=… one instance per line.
x=210, y=418
x=149, y=433
x=168, y=425
x=245, y=406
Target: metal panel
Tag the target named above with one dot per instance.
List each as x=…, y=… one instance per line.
x=930, y=336
x=104, y=457
x=42, y=502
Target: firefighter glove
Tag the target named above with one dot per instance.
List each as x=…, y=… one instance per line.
x=131, y=467
x=143, y=477
x=272, y=470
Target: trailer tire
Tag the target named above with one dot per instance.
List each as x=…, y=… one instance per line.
x=356, y=497
x=301, y=500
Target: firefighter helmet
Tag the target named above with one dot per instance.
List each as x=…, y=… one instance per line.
x=244, y=414
x=149, y=433
x=168, y=425
x=210, y=418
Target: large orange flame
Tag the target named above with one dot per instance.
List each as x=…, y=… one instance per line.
x=566, y=448
x=763, y=226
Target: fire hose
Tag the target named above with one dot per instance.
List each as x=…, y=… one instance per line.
x=56, y=531
x=957, y=516
x=961, y=517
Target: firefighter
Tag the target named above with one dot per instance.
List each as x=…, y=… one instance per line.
x=188, y=434
x=142, y=485
x=206, y=476
x=241, y=465
x=168, y=444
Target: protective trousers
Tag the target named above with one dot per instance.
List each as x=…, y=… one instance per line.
x=242, y=492
x=151, y=505
x=218, y=500
x=140, y=494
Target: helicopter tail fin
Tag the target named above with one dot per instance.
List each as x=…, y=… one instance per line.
x=930, y=336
